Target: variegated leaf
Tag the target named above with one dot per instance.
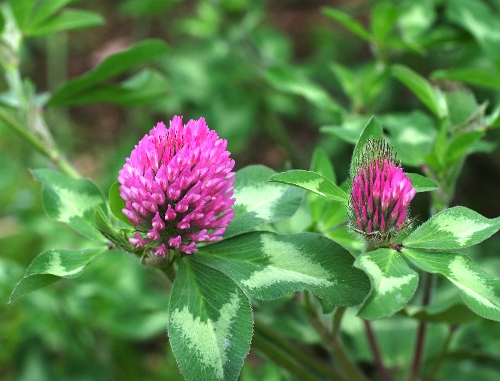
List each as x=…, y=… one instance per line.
x=209, y=323
x=259, y=202
x=452, y=229
x=72, y=201
x=479, y=290
x=393, y=283
x=269, y=266
x=52, y=265
x=311, y=181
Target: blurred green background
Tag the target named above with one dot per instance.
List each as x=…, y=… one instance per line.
x=267, y=75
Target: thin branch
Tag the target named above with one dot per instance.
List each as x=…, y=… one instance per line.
x=372, y=341
x=422, y=328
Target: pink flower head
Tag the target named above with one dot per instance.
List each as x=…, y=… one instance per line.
x=178, y=186
x=380, y=193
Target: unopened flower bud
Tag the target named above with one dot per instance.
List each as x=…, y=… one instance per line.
x=380, y=194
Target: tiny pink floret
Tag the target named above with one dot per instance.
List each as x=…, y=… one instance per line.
x=178, y=186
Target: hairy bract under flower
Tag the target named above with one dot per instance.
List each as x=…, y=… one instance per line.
x=380, y=194
x=178, y=186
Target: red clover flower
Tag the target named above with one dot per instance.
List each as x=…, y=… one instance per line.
x=380, y=194
x=178, y=186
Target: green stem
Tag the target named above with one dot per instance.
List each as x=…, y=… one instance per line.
x=338, y=314
x=53, y=155
x=372, y=341
x=281, y=358
x=422, y=328
x=337, y=349
x=297, y=353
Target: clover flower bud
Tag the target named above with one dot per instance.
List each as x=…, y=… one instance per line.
x=380, y=194
x=178, y=186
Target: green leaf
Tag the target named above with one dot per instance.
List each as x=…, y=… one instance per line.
x=269, y=266
x=209, y=323
x=393, y=283
x=479, y=290
x=461, y=144
x=472, y=76
x=22, y=10
x=451, y=229
x=112, y=66
x=373, y=130
x=422, y=183
x=455, y=313
x=348, y=22
x=260, y=202
x=383, y=20
x=66, y=20
x=313, y=182
x=46, y=9
x=117, y=204
x=71, y=201
x=144, y=87
x=52, y=265
x=320, y=163
x=351, y=128
x=430, y=96
x=412, y=134
x=480, y=20
x=2, y=22
x=288, y=80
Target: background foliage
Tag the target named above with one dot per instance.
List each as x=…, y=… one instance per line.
x=276, y=79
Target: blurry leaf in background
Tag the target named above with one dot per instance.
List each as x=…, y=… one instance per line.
x=412, y=135
x=452, y=313
x=146, y=8
x=43, y=18
x=483, y=77
x=416, y=17
x=363, y=86
x=429, y=95
x=142, y=88
x=288, y=80
x=477, y=18
x=348, y=22
x=350, y=129
x=383, y=20
x=91, y=85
